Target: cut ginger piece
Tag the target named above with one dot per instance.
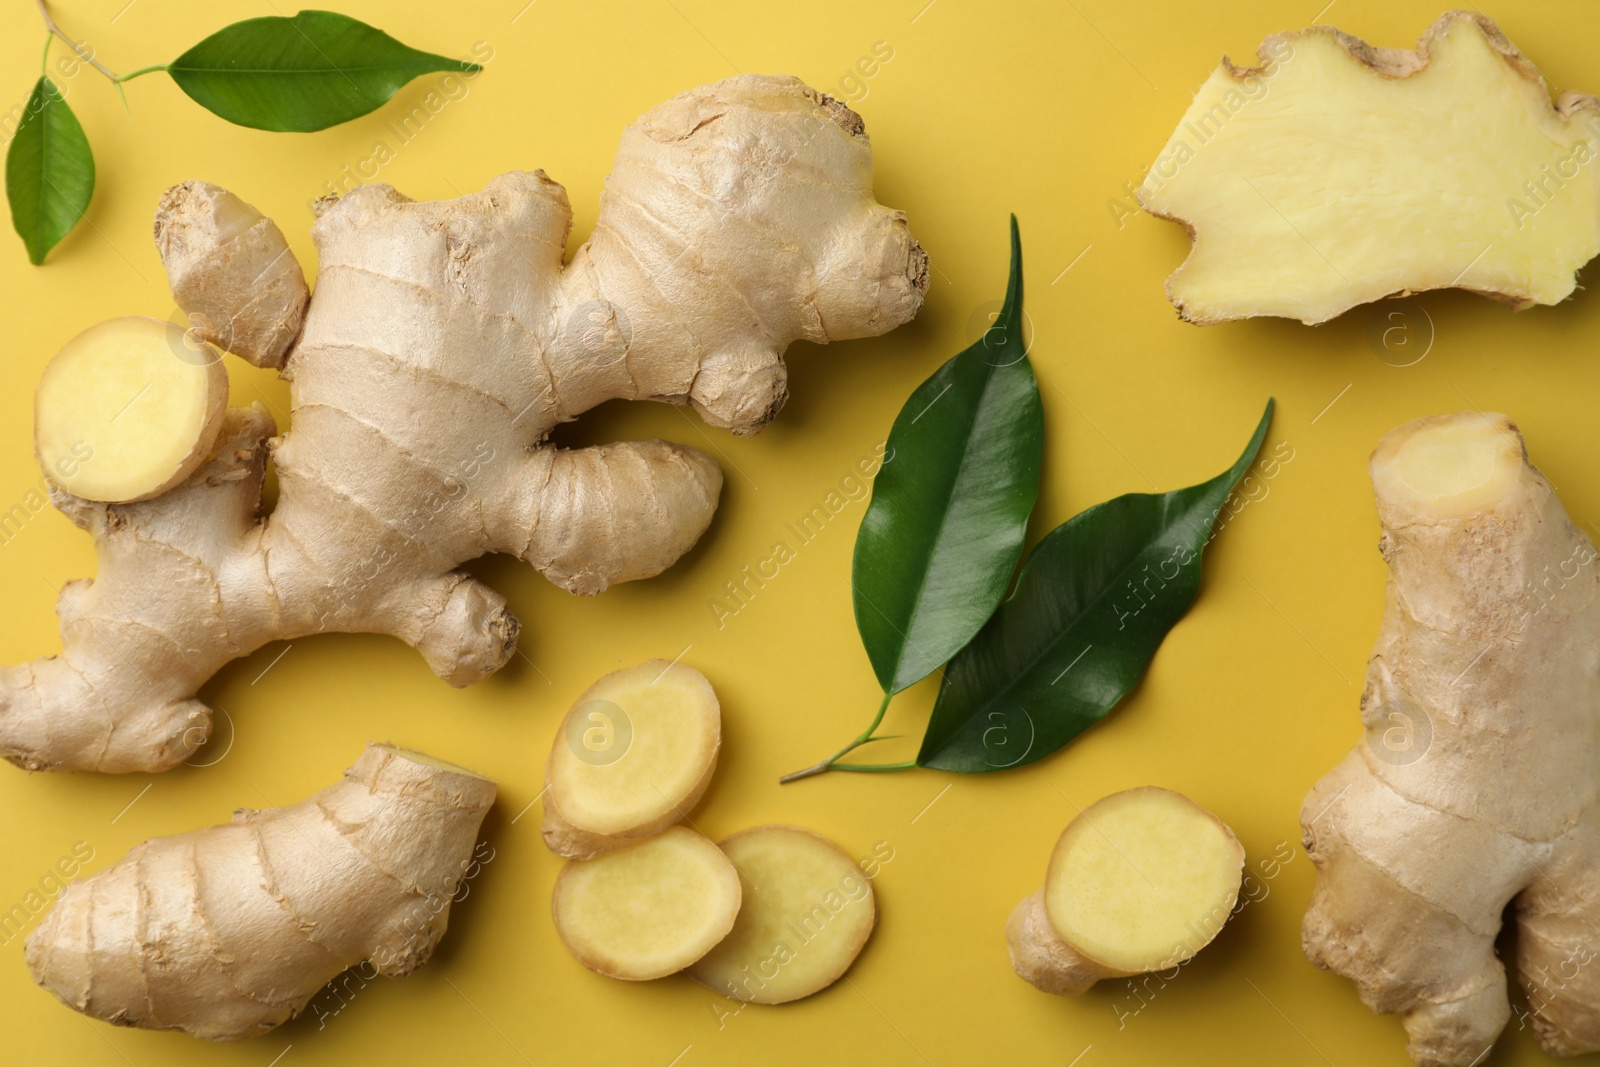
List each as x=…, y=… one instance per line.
x=1140, y=881
x=1467, y=810
x=632, y=757
x=1448, y=466
x=128, y=409
x=649, y=910
x=1337, y=173
x=807, y=912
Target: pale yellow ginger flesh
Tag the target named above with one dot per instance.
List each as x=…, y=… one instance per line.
x=445, y=342
x=649, y=910
x=1448, y=466
x=227, y=932
x=1476, y=784
x=128, y=409
x=1140, y=881
x=632, y=757
x=807, y=913
x=1336, y=173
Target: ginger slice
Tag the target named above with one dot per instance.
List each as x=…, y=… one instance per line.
x=1336, y=173
x=632, y=757
x=1140, y=881
x=650, y=910
x=128, y=409
x=807, y=912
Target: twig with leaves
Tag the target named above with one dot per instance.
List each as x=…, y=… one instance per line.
x=939, y=545
x=299, y=74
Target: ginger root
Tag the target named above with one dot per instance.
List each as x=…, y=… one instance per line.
x=632, y=757
x=649, y=910
x=128, y=409
x=1139, y=881
x=1336, y=173
x=227, y=932
x=806, y=915
x=1475, y=784
x=444, y=342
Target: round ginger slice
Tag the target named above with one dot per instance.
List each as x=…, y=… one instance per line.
x=128, y=409
x=632, y=757
x=807, y=912
x=1142, y=880
x=649, y=910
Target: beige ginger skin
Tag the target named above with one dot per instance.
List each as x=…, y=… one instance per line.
x=444, y=342
x=1475, y=785
x=227, y=932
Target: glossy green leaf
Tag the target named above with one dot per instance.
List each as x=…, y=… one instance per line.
x=304, y=73
x=1092, y=605
x=49, y=171
x=950, y=506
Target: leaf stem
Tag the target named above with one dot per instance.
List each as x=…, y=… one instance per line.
x=143, y=70
x=83, y=53
x=865, y=737
x=874, y=768
x=44, y=60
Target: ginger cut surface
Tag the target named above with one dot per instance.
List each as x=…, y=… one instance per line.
x=227, y=932
x=632, y=757
x=1473, y=797
x=649, y=910
x=1140, y=881
x=128, y=409
x=1335, y=173
x=806, y=915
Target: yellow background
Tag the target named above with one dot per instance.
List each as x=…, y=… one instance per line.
x=1045, y=110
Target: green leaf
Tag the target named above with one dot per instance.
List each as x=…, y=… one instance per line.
x=299, y=74
x=1092, y=605
x=49, y=171
x=949, y=509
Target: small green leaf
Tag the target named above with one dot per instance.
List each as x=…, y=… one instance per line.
x=1092, y=605
x=300, y=74
x=949, y=509
x=49, y=171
